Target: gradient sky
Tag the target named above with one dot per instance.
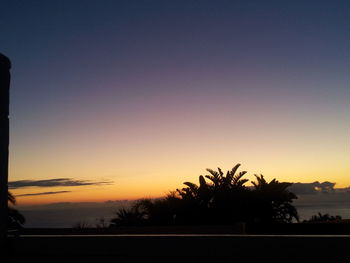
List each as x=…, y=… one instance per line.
x=148, y=94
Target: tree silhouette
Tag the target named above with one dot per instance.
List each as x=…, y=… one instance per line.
x=221, y=199
x=230, y=197
x=273, y=201
x=127, y=217
x=15, y=218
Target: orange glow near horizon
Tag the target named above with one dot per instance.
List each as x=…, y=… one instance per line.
x=158, y=184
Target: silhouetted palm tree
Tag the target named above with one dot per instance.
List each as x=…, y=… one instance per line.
x=230, y=197
x=223, y=199
x=127, y=217
x=16, y=219
x=273, y=201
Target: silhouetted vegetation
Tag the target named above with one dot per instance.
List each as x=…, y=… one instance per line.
x=218, y=199
x=101, y=223
x=16, y=219
x=81, y=225
x=323, y=218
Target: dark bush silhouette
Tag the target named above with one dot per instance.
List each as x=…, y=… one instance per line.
x=128, y=217
x=81, y=225
x=16, y=219
x=273, y=201
x=221, y=199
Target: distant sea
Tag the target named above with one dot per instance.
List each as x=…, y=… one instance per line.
x=325, y=203
x=66, y=215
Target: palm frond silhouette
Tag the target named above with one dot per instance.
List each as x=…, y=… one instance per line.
x=15, y=218
x=219, y=198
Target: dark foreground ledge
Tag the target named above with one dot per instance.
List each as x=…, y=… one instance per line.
x=179, y=248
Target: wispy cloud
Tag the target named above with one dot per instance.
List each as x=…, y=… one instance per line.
x=44, y=193
x=54, y=183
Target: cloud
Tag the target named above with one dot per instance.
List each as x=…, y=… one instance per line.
x=54, y=183
x=44, y=193
x=313, y=188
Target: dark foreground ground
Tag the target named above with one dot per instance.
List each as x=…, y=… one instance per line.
x=315, y=242
x=178, y=248
x=323, y=228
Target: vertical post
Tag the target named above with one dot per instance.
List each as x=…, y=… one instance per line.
x=5, y=66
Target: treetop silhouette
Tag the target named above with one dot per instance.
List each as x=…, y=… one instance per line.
x=219, y=198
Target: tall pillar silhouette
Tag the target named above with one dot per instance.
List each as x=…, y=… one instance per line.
x=5, y=66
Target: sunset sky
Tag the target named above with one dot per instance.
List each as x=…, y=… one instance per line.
x=129, y=99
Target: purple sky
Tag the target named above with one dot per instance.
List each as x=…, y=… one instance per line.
x=119, y=90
